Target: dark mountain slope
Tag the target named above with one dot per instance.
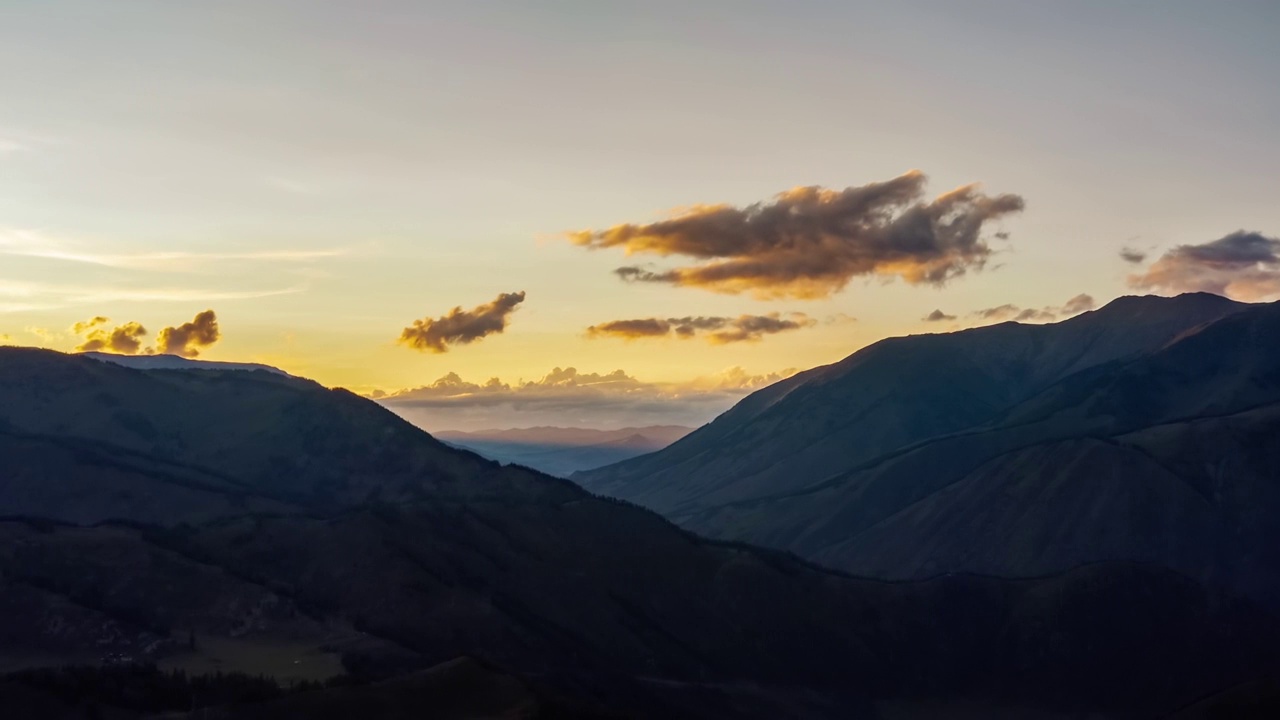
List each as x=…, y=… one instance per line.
x=1169, y=458
x=662, y=605
x=398, y=553
x=85, y=482
x=274, y=436
x=888, y=396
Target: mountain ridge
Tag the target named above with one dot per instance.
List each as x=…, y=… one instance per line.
x=1107, y=463
x=393, y=552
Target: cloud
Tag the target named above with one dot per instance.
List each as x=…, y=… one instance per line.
x=189, y=338
x=999, y=312
x=569, y=397
x=1076, y=305
x=125, y=339
x=45, y=334
x=26, y=243
x=9, y=146
x=716, y=330
x=840, y=319
x=633, y=329
x=461, y=327
x=938, y=316
x=44, y=296
x=1132, y=256
x=1033, y=315
x=809, y=242
x=1243, y=265
x=185, y=340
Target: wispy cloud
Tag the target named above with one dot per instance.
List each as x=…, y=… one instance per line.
x=716, y=330
x=9, y=145
x=27, y=296
x=1076, y=305
x=26, y=243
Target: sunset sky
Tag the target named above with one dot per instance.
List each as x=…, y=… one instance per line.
x=323, y=175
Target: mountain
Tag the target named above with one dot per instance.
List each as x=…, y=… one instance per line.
x=563, y=451
x=1159, y=449
x=263, y=524
x=888, y=396
x=175, y=362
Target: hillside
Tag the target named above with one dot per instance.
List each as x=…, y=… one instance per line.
x=1167, y=457
x=281, y=528
x=888, y=396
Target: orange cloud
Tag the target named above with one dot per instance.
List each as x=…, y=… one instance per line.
x=717, y=330
x=185, y=340
x=188, y=338
x=809, y=242
x=1243, y=265
x=125, y=339
x=1076, y=305
x=461, y=326
x=569, y=397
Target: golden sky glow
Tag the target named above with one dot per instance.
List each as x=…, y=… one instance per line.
x=328, y=177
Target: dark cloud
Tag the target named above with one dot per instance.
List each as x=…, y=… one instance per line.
x=568, y=397
x=1076, y=305
x=461, y=327
x=1033, y=315
x=189, y=338
x=632, y=329
x=938, y=316
x=999, y=312
x=124, y=339
x=1133, y=256
x=717, y=330
x=1243, y=265
x=809, y=242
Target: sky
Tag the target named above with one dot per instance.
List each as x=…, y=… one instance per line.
x=778, y=179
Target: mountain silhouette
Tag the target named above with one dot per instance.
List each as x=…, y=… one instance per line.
x=264, y=524
x=1143, y=431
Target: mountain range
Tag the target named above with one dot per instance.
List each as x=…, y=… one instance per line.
x=1143, y=431
x=262, y=524
x=563, y=451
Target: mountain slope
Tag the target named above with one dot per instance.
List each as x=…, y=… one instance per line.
x=888, y=396
x=1169, y=458
x=391, y=552
x=274, y=436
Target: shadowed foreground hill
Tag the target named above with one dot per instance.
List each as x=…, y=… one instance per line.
x=274, y=522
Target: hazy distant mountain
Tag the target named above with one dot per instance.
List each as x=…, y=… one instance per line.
x=278, y=527
x=563, y=451
x=1145, y=431
x=175, y=362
